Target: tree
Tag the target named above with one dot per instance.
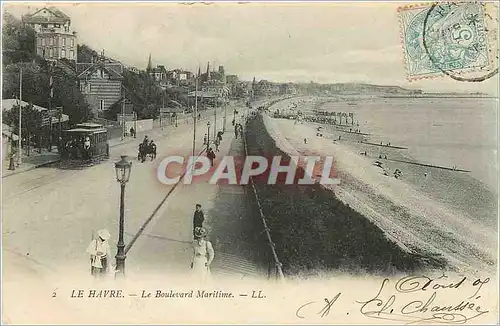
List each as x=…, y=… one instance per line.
x=85, y=54
x=68, y=96
x=18, y=41
x=31, y=122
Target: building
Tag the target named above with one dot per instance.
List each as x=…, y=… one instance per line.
x=179, y=77
x=265, y=88
x=54, y=38
x=101, y=83
x=211, y=77
x=159, y=73
x=232, y=79
x=288, y=89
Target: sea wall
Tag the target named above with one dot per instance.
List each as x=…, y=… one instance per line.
x=313, y=230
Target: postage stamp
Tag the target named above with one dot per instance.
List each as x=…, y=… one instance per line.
x=444, y=38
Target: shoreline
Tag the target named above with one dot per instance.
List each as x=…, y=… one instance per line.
x=445, y=213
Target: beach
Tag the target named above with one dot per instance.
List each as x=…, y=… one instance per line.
x=435, y=212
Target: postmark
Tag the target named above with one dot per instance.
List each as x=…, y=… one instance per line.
x=448, y=39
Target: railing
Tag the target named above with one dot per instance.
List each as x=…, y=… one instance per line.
x=278, y=265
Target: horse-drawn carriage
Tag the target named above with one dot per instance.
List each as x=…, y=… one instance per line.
x=84, y=144
x=146, y=149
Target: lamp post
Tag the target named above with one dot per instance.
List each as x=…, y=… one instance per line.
x=225, y=116
x=122, y=168
x=208, y=134
x=215, y=119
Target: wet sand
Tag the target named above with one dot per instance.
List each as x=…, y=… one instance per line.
x=445, y=213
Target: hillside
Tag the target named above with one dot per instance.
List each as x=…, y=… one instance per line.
x=145, y=94
x=353, y=89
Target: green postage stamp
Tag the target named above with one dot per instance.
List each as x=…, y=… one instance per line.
x=447, y=39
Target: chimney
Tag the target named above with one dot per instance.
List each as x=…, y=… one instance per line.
x=221, y=69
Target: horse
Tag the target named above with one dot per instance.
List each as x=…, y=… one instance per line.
x=146, y=150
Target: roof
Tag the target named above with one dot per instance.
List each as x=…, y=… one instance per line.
x=86, y=130
x=109, y=68
x=89, y=125
x=60, y=17
x=171, y=110
x=202, y=94
x=7, y=131
x=8, y=104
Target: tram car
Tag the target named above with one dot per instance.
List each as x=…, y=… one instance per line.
x=86, y=142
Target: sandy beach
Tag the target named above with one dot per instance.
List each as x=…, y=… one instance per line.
x=430, y=211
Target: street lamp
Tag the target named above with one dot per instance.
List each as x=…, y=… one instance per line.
x=225, y=116
x=215, y=118
x=122, y=168
x=208, y=134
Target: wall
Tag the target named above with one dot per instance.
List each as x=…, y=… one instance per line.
x=101, y=89
x=139, y=125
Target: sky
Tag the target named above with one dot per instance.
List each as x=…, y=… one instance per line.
x=296, y=42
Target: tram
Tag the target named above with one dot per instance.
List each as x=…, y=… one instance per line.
x=85, y=142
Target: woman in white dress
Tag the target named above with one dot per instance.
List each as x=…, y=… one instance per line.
x=203, y=255
x=100, y=253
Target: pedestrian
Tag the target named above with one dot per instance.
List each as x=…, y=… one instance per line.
x=217, y=143
x=236, y=131
x=132, y=132
x=219, y=135
x=100, y=253
x=203, y=255
x=211, y=156
x=86, y=147
x=198, y=218
x=205, y=140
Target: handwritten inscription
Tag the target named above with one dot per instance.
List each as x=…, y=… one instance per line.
x=413, y=300
x=305, y=309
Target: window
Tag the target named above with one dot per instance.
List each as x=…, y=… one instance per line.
x=63, y=41
x=101, y=106
x=51, y=52
x=72, y=42
x=71, y=54
x=101, y=71
x=63, y=53
x=39, y=51
x=85, y=87
x=43, y=41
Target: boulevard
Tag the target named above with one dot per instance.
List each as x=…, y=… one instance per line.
x=50, y=215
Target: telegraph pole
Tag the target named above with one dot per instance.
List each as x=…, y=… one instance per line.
x=19, y=161
x=123, y=118
x=195, y=115
x=215, y=116
x=225, y=116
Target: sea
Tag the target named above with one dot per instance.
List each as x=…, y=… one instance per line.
x=448, y=132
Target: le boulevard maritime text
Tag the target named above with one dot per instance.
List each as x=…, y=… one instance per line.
x=163, y=294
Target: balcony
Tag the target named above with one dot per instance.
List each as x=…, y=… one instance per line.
x=58, y=30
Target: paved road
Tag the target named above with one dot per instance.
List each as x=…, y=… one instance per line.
x=49, y=214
